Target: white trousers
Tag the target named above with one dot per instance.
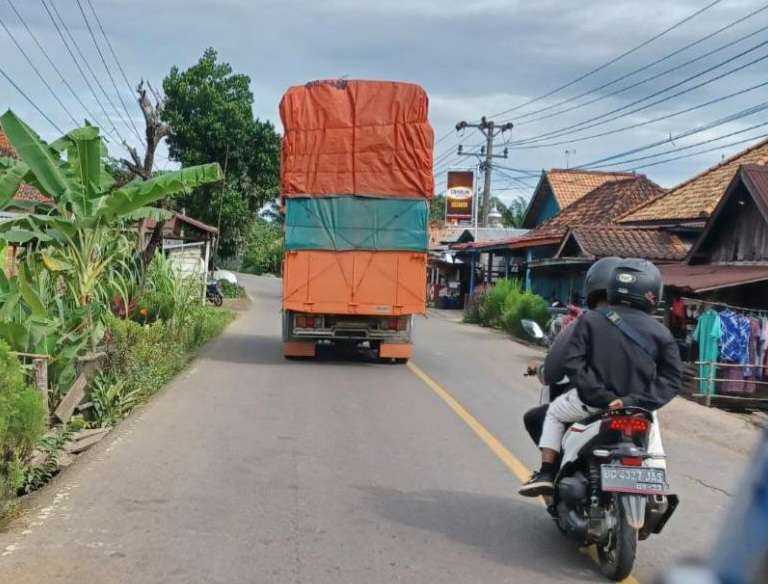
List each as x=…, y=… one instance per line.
x=569, y=408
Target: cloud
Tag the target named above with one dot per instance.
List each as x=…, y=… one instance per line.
x=474, y=58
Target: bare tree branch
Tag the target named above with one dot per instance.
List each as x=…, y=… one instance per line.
x=155, y=130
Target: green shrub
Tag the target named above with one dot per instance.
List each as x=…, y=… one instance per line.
x=22, y=423
x=502, y=295
x=230, y=290
x=504, y=305
x=525, y=305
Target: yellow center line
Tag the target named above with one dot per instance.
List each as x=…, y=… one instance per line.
x=521, y=472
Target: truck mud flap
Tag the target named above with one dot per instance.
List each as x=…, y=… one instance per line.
x=299, y=349
x=395, y=351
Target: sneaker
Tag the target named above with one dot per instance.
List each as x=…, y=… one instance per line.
x=540, y=484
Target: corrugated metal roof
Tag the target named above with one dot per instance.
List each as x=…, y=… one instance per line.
x=697, y=197
x=703, y=278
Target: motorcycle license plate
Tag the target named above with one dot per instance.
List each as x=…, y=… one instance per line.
x=639, y=480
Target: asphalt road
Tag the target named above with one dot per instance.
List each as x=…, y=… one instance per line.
x=251, y=469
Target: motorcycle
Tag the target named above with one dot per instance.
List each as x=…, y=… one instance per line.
x=213, y=293
x=611, y=491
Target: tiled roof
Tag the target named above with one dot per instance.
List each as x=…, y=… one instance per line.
x=697, y=197
x=5, y=146
x=29, y=193
x=603, y=206
x=570, y=185
x=651, y=244
x=26, y=192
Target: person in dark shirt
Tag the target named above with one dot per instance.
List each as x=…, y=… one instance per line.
x=609, y=368
x=552, y=372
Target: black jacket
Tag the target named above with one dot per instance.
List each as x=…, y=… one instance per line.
x=554, y=362
x=605, y=365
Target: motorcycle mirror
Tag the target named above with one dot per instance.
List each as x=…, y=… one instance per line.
x=532, y=328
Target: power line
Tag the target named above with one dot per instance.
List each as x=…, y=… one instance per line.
x=29, y=99
x=647, y=122
x=687, y=147
x=708, y=150
x=611, y=61
x=111, y=48
x=644, y=81
x=599, y=121
x=701, y=128
x=646, y=67
x=514, y=178
x=63, y=79
x=40, y=76
x=77, y=63
x=109, y=74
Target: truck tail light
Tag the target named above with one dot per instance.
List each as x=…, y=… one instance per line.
x=311, y=322
x=301, y=321
x=395, y=324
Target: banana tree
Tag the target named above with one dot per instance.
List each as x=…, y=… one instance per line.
x=79, y=225
x=79, y=235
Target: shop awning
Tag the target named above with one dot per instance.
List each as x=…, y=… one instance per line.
x=703, y=278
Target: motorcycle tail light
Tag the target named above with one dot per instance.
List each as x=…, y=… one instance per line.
x=629, y=425
x=632, y=461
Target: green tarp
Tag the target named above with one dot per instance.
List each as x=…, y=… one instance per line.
x=349, y=223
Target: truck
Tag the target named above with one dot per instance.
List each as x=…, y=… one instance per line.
x=356, y=179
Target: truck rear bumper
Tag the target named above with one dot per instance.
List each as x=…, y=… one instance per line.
x=299, y=348
x=395, y=350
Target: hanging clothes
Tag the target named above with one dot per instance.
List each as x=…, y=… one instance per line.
x=762, y=352
x=733, y=380
x=707, y=334
x=734, y=340
x=750, y=372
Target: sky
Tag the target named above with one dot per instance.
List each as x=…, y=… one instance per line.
x=474, y=58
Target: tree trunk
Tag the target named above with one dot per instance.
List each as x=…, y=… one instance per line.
x=155, y=131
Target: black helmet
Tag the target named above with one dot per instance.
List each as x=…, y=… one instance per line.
x=636, y=282
x=597, y=280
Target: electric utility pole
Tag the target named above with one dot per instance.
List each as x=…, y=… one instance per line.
x=490, y=130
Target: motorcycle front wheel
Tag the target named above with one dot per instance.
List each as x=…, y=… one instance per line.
x=216, y=299
x=617, y=557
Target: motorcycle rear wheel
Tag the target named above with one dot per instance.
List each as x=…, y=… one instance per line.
x=216, y=299
x=618, y=557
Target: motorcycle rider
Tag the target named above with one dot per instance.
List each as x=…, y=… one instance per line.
x=552, y=372
x=617, y=356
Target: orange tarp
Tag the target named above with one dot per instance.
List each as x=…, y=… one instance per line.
x=355, y=282
x=356, y=138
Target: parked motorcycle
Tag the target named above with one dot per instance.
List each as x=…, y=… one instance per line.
x=610, y=491
x=213, y=293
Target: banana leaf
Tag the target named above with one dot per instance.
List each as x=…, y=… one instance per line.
x=11, y=178
x=154, y=213
x=84, y=157
x=138, y=194
x=43, y=161
x=30, y=295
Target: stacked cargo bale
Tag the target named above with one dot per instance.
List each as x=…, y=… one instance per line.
x=356, y=177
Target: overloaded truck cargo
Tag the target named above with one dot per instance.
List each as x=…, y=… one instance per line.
x=356, y=179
